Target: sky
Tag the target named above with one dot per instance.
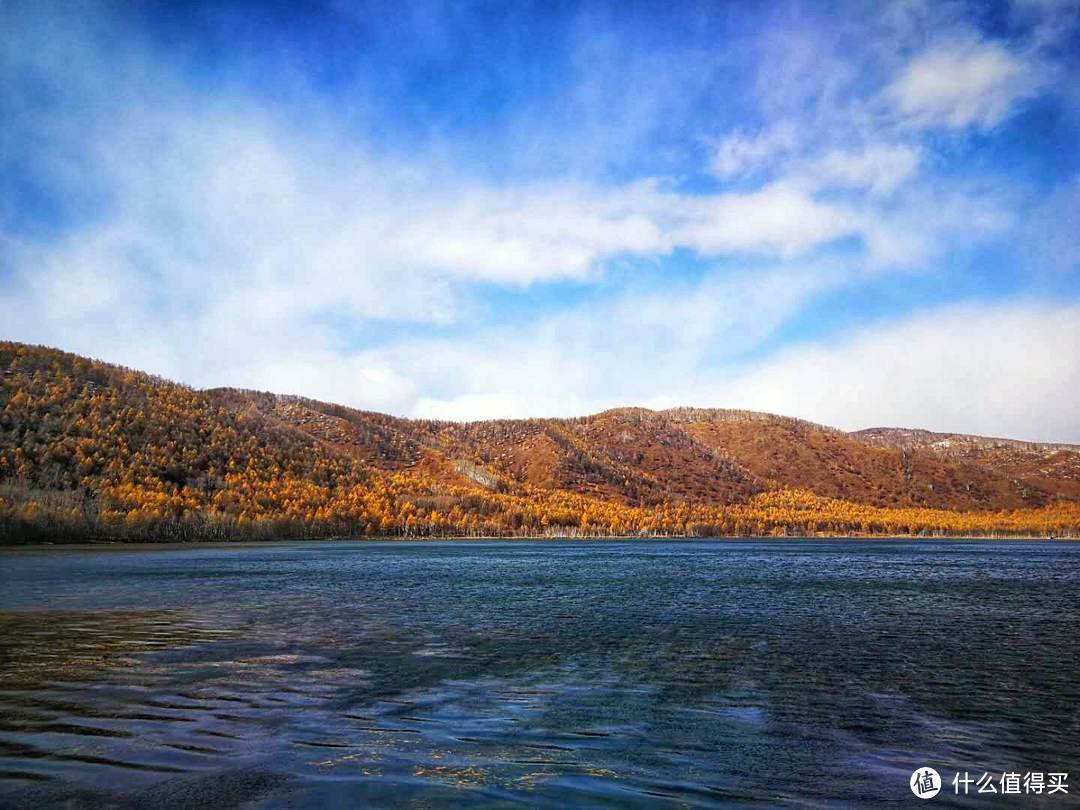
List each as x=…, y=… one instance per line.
x=861, y=214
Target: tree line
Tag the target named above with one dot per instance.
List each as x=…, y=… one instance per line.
x=89, y=450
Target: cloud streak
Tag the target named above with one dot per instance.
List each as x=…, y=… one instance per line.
x=961, y=84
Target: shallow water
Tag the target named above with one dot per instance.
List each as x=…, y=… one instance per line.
x=803, y=673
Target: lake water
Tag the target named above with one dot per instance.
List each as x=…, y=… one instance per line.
x=555, y=674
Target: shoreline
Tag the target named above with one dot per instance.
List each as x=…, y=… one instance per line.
x=247, y=543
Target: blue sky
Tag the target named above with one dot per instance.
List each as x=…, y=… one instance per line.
x=857, y=213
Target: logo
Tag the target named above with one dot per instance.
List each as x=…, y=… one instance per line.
x=925, y=783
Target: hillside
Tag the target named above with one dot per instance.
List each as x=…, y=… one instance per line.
x=92, y=450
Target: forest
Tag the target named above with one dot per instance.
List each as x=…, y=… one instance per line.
x=92, y=451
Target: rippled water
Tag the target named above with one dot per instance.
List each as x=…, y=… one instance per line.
x=554, y=674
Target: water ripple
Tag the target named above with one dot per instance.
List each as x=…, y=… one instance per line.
x=689, y=674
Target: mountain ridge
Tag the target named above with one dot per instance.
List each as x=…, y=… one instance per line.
x=139, y=456
x=921, y=437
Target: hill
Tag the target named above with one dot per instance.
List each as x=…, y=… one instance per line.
x=92, y=450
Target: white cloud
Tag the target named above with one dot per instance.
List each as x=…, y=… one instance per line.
x=915, y=224
x=316, y=370
x=626, y=350
x=519, y=235
x=780, y=219
x=531, y=233
x=742, y=152
x=297, y=223
x=962, y=83
x=877, y=168
x=1003, y=370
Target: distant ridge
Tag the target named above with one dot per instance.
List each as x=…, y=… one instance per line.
x=89, y=449
x=917, y=437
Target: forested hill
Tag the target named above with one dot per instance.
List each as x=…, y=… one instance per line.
x=91, y=450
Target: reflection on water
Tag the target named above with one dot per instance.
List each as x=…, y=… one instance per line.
x=547, y=674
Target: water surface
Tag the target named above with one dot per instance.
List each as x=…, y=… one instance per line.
x=698, y=673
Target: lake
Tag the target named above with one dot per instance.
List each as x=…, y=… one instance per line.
x=540, y=673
